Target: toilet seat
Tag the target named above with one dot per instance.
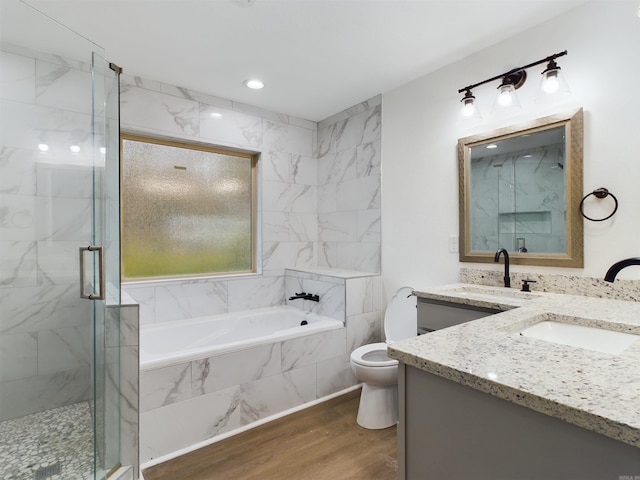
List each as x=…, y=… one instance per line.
x=373, y=355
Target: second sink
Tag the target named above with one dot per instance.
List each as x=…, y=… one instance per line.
x=581, y=336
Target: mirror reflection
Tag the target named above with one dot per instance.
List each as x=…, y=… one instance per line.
x=520, y=188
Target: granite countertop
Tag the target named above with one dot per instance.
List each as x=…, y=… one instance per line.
x=597, y=391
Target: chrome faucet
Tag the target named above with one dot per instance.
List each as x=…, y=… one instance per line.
x=507, y=280
x=616, y=267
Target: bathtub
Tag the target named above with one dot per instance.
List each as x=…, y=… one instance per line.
x=178, y=341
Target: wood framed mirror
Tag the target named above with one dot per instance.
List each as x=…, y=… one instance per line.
x=520, y=189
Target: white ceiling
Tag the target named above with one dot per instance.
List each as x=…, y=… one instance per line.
x=316, y=57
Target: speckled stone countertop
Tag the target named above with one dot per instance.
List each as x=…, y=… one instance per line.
x=597, y=391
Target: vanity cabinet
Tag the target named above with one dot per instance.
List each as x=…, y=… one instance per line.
x=451, y=431
x=438, y=314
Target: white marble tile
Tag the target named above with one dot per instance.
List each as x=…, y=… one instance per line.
x=58, y=262
x=198, y=418
x=17, y=217
x=18, y=264
x=311, y=349
x=363, y=329
x=287, y=197
x=252, y=293
x=358, y=129
x=235, y=368
x=35, y=394
x=17, y=77
x=281, y=137
x=277, y=393
x=261, y=112
x=26, y=126
x=338, y=167
x=164, y=386
x=301, y=122
x=17, y=171
x=332, y=298
x=369, y=159
x=334, y=375
x=157, y=111
x=369, y=226
x=359, y=295
x=364, y=257
x=64, y=180
x=359, y=194
x=63, y=87
x=337, y=226
x=129, y=325
x=303, y=227
x=129, y=406
x=146, y=298
x=303, y=170
x=326, y=143
x=328, y=254
x=279, y=255
x=32, y=308
x=64, y=349
x=190, y=300
x=226, y=127
x=276, y=166
x=275, y=227
x=64, y=219
x=327, y=198
x=18, y=356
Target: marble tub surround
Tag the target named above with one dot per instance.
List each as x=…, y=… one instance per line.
x=556, y=283
x=596, y=391
x=222, y=393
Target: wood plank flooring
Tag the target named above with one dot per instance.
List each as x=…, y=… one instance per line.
x=322, y=442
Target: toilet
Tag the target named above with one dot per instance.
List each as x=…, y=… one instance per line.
x=379, y=373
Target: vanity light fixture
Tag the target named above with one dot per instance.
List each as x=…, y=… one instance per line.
x=552, y=83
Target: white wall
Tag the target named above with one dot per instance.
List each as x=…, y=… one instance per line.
x=421, y=126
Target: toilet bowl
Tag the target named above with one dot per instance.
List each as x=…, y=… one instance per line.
x=379, y=373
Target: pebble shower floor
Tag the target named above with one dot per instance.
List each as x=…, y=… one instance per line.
x=56, y=444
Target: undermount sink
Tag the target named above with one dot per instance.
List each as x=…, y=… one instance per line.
x=581, y=336
x=495, y=292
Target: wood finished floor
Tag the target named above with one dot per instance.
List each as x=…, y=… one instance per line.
x=322, y=442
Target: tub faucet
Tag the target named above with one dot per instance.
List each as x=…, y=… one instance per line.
x=306, y=296
x=507, y=280
x=616, y=267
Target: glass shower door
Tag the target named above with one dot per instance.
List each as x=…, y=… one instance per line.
x=59, y=380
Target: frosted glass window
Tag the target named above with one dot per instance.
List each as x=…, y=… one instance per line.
x=186, y=210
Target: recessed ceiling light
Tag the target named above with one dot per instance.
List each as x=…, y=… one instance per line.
x=74, y=149
x=254, y=84
x=492, y=145
x=43, y=147
x=216, y=115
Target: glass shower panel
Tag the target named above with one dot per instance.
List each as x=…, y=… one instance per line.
x=47, y=174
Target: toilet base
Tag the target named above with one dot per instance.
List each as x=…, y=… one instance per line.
x=378, y=406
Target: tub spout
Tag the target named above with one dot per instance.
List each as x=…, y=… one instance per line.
x=616, y=267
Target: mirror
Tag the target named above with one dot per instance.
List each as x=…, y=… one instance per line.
x=520, y=189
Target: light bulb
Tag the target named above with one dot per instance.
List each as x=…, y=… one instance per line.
x=468, y=108
x=505, y=97
x=550, y=82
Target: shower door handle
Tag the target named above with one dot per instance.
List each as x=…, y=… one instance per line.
x=83, y=294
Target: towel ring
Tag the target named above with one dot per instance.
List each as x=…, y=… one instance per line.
x=599, y=193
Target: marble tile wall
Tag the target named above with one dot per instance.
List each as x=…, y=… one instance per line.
x=45, y=337
x=290, y=165
x=349, y=155
x=219, y=394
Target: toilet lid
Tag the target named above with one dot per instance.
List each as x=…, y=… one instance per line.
x=401, y=318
